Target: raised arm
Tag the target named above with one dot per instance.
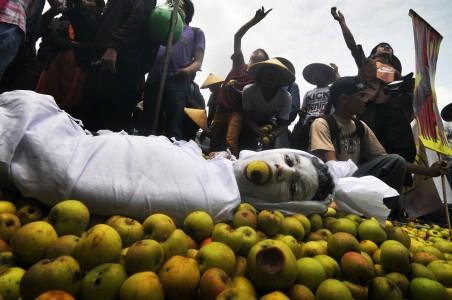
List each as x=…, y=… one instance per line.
x=348, y=37
x=260, y=14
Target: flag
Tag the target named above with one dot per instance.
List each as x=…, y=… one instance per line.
x=427, y=42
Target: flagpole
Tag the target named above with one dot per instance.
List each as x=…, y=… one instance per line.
x=165, y=66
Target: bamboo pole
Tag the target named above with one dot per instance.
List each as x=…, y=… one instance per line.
x=446, y=208
x=166, y=60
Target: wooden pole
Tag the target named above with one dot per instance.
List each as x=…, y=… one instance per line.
x=446, y=208
x=166, y=61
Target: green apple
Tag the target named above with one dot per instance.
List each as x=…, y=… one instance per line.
x=276, y=295
x=244, y=284
x=9, y=282
x=395, y=257
x=442, y=271
x=341, y=242
x=359, y=292
x=217, y=255
x=305, y=221
x=7, y=207
x=333, y=289
x=371, y=230
x=244, y=217
x=330, y=265
x=62, y=273
x=129, y=230
x=316, y=222
x=355, y=218
x=158, y=227
x=103, y=282
x=292, y=243
x=69, y=217
x=100, y=244
x=213, y=282
x=198, y=224
x=9, y=223
x=291, y=226
x=368, y=246
x=225, y=234
x=175, y=244
x=419, y=270
x=313, y=248
x=235, y=294
x=310, y=272
x=142, y=286
x=356, y=268
x=64, y=245
x=384, y=288
x=144, y=255
x=30, y=210
x=30, y=242
x=401, y=280
x=344, y=225
x=180, y=277
x=424, y=288
x=249, y=239
x=269, y=222
x=271, y=265
x=300, y=292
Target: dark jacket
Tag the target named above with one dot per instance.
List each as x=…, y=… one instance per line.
x=123, y=25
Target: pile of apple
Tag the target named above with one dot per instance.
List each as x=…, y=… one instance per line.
x=65, y=253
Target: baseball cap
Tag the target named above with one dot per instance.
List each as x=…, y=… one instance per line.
x=345, y=85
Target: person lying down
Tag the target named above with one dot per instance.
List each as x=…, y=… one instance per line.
x=47, y=155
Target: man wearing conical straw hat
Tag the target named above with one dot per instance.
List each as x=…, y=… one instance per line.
x=213, y=83
x=266, y=105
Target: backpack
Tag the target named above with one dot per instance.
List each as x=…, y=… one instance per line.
x=300, y=138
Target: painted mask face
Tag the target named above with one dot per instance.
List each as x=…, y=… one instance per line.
x=277, y=176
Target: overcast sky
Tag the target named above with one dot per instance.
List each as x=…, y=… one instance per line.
x=305, y=32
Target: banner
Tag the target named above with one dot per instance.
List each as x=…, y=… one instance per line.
x=427, y=42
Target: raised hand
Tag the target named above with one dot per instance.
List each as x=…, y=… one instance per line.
x=337, y=15
x=260, y=14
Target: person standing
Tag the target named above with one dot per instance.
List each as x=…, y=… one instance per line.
x=389, y=116
x=123, y=53
x=13, y=22
x=186, y=59
x=227, y=123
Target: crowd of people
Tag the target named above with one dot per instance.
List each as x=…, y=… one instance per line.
x=94, y=58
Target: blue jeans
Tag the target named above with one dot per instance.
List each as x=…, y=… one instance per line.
x=171, y=115
x=10, y=39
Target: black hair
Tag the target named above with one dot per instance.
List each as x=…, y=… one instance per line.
x=394, y=59
x=189, y=10
x=264, y=52
x=326, y=182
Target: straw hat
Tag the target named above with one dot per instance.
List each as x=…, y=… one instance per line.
x=316, y=70
x=211, y=80
x=287, y=77
x=198, y=116
x=446, y=113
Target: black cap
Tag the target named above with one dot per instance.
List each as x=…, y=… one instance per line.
x=345, y=85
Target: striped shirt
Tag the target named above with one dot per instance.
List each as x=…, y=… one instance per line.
x=14, y=12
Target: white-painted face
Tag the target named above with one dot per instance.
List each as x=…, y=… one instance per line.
x=276, y=176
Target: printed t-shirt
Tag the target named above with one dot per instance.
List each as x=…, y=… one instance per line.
x=315, y=101
x=350, y=142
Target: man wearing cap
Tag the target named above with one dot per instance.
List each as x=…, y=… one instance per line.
x=388, y=116
x=227, y=122
x=266, y=102
x=354, y=140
